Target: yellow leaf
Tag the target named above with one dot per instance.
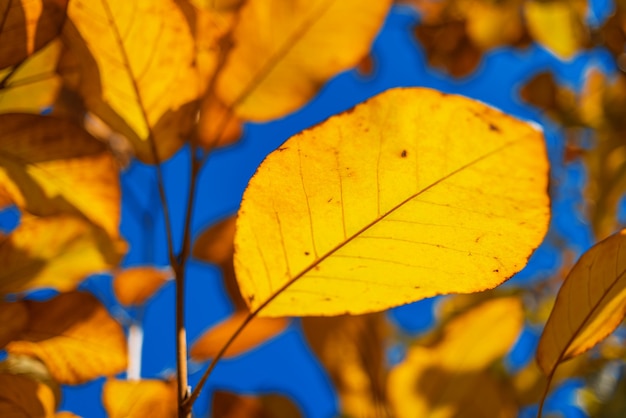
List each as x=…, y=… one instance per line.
x=51, y=166
x=74, y=335
x=589, y=306
x=56, y=251
x=22, y=397
x=351, y=349
x=139, y=57
x=450, y=378
x=13, y=320
x=412, y=194
x=135, y=285
x=27, y=26
x=558, y=25
x=257, y=332
x=285, y=50
x=139, y=399
x=34, y=84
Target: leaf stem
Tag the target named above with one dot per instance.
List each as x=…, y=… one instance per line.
x=545, y=392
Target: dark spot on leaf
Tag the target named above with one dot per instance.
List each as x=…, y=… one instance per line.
x=306, y=253
x=496, y=271
x=417, y=287
x=330, y=200
x=327, y=299
x=493, y=127
x=317, y=268
x=403, y=154
x=281, y=149
x=251, y=298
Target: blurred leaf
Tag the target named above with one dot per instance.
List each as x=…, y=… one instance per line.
x=66, y=414
x=32, y=368
x=257, y=332
x=283, y=52
x=450, y=378
x=135, y=285
x=559, y=25
x=52, y=166
x=229, y=405
x=352, y=350
x=216, y=243
x=22, y=397
x=418, y=206
x=13, y=320
x=27, y=26
x=74, y=335
x=55, y=251
x=216, y=126
x=139, y=399
x=590, y=305
x=138, y=60
x=34, y=84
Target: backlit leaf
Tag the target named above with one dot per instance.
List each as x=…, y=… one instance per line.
x=27, y=26
x=352, y=350
x=230, y=405
x=13, y=320
x=258, y=331
x=285, y=50
x=590, y=305
x=51, y=166
x=55, y=251
x=138, y=399
x=74, y=335
x=449, y=378
x=135, y=285
x=22, y=397
x=216, y=244
x=34, y=85
x=412, y=194
x=139, y=55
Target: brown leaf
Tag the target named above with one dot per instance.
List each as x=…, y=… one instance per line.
x=135, y=285
x=74, y=335
x=139, y=399
x=13, y=320
x=258, y=331
x=22, y=397
x=55, y=251
x=352, y=350
x=230, y=405
x=27, y=26
x=51, y=165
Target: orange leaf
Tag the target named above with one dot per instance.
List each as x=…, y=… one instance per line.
x=55, y=251
x=139, y=399
x=135, y=285
x=230, y=405
x=51, y=165
x=28, y=26
x=74, y=335
x=216, y=243
x=450, y=378
x=258, y=331
x=411, y=194
x=22, y=397
x=285, y=50
x=589, y=306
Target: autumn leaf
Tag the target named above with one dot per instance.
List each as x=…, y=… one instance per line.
x=74, y=335
x=257, y=332
x=52, y=166
x=589, y=306
x=135, y=285
x=22, y=397
x=33, y=85
x=450, y=378
x=283, y=52
x=230, y=405
x=27, y=26
x=13, y=320
x=138, y=399
x=351, y=348
x=412, y=194
x=140, y=70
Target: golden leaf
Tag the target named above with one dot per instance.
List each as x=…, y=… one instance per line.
x=285, y=50
x=257, y=332
x=51, y=166
x=139, y=399
x=139, y=64
x=412, y=194
x=559, y=25
x=450, y=378
x=27, y=26
x=589, y=306
x=135, y=285
x=55, y=251
x=74, y=335
x=33, y=85
x=351, y=349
